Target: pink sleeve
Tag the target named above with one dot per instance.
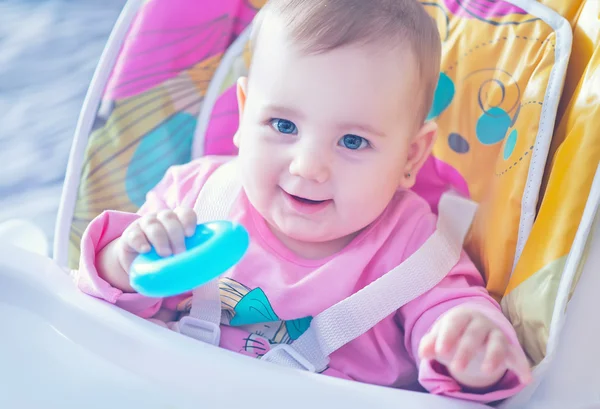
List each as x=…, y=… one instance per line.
x=180, y=187
x=463, y=285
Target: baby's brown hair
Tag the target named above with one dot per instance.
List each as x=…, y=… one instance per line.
x=318, y=26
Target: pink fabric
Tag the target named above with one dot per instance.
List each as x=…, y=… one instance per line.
x=482, y=8
x=437, y=177
x=271, y=294
x=223, y=124
x=170, y=36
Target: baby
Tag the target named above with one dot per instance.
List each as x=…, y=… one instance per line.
x=332, y=135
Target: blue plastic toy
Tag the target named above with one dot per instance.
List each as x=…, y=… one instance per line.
x=213, y=249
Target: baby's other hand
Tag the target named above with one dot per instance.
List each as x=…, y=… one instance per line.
x=473, y=348
x=165, y=231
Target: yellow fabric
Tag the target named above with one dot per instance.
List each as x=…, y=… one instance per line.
x=575, y=156
x=569, y=9
x=576, y=147
x=500, y=66
x=585, y=32
x=532, y=327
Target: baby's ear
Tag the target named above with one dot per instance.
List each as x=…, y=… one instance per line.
x=418, y=151
x=242, y=91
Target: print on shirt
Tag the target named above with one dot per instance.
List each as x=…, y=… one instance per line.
x=251, y=310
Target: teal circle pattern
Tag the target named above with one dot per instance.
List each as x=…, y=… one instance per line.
x=167, y=145
x=511, y=142
x=492, y=126
x=444, y=94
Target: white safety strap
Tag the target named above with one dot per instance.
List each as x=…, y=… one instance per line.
x=352, y=317
x=214, y=203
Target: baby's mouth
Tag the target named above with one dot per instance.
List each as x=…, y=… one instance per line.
x=307, y=201
x=305, y=205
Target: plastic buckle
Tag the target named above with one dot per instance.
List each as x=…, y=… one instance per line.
x=291, y=353
x=201, y=330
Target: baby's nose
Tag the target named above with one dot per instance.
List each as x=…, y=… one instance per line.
x=311, y=165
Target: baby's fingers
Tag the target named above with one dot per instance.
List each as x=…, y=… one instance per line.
x=471, y=342
x=517, y=362
x=174, y=230
x=188, y=220
x=427, y=345
x=451, y=328
x=501, y=354
x=134, y=240
x=496, y=352
x=156, y=235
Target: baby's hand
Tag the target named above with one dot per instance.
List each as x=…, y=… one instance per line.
x=473, y=348
x=165, y=231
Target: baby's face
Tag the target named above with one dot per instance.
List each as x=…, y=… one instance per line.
x=324, y=139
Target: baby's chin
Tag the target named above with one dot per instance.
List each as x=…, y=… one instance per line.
x=306, y=230
x=314, y=243
x=311, y=237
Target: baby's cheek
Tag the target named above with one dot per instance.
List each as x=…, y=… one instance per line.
x=367, y=200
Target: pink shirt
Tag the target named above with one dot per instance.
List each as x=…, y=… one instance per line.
x=272, y=294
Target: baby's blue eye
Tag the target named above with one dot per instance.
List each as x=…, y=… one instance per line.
x=284, y=126
x=353, y=142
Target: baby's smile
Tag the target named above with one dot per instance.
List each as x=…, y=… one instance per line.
x=305, y=205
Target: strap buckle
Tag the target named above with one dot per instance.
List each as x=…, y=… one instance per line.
x=285, y=354
x=200, y=330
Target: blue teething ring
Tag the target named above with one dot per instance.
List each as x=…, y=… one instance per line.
x=214, y=248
